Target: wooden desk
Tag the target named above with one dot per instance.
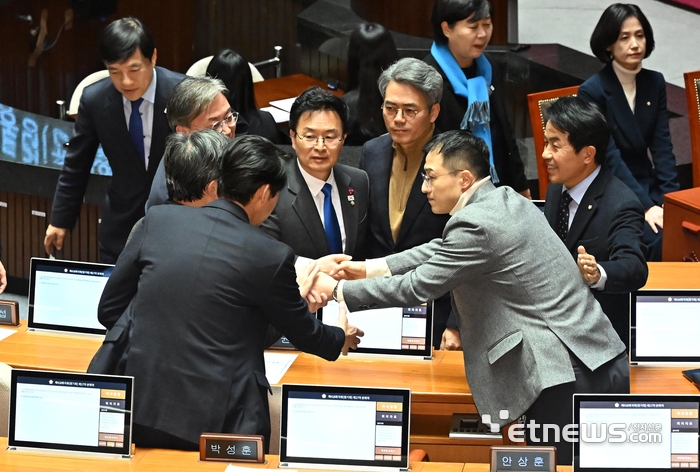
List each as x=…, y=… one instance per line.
x=48, y=351
x=286, y=87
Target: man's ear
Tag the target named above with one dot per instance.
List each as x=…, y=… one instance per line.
x=589, y=154
x=467, y=179
x=264, y=193
x=154, y=57
x=182, y=129
x=212, y=189
x=434, y=112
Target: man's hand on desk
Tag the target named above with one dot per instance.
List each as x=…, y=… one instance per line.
x=350, y=270
x=352, y=333
x=3, y=278
x=451, y=341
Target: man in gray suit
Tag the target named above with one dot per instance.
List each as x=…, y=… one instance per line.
x=532, y=332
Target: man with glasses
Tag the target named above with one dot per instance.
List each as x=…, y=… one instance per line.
x=197, y=103
x=399, y=214
x=323, y=209
x=125, y=115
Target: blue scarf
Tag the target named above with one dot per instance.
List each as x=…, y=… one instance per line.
x=476, y=91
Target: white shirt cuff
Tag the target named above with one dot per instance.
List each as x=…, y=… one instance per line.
x=377, y=268
x=339, y=293
x=600, y=284
x=301, y=262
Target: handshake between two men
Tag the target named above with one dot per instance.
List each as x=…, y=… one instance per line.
x=317, y=282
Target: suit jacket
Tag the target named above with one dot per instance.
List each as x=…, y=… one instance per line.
x=521, y=303
x=101, y=121
x=295, y=220
x=201, y=302
x=506, y=156
x=608, y=223
x=634, y=134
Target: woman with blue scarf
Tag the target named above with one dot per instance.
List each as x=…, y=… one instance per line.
x=470, y=100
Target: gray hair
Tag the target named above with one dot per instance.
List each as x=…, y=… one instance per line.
x=417, y=74
x=191, y=97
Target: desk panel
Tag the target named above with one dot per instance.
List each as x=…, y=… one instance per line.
x=286, y=87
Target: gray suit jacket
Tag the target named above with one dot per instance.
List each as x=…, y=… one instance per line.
x=295, y=220
x=520, y=300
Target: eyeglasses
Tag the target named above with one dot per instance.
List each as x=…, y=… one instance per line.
x=409, y=114
x=331, y=142
x=230, y=120
x=428, y=180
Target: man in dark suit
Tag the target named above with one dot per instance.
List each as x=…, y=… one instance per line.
x=399, y=214
x=125, y=114
x=532, y=332
x=597, y=216
x=202, y=286
x=323, y=209
x=196, y=103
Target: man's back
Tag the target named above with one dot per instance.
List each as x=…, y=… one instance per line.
x=203, y=285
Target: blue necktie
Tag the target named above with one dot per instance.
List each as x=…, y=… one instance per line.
x=330, y=219
x=136, y=129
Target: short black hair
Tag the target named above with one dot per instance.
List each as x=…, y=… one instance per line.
x=248, y=163
x=233, y=70
x=316, y=99
x=453, y=11
x=461, y=150
x=120, y=39
x=582, y=122
x=607, y=31
x=192, y=161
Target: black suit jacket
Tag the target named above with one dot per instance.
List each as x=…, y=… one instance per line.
x=101, y=121
x=295, y=220
x=634, y=134
x=608, y=223
x=506, y=156
x=202, y=286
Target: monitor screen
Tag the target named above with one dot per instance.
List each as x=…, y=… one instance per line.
x=394, y=331
x=665, y=326
x=345, y=426
x=70, y=412
x=64, y=295
x=636, y=432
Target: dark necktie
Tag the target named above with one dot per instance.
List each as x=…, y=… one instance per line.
x=330, y=219
x=563, y=215
x=136, y=129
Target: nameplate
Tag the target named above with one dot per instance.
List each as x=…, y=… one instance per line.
x=523, y=458
x=9, y=312
x=231, y=448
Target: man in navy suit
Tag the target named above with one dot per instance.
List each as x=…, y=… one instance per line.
x=602, y=222
x=399, y=214
x=126, y=115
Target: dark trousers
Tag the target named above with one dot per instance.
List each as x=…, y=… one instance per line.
x=555, y=404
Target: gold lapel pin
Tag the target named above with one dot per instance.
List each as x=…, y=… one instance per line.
x=590, y=207
x=648, y=104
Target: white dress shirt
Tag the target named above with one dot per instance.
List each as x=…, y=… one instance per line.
x=146, y=109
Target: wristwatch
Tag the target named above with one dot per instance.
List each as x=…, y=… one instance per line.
x=335, y=292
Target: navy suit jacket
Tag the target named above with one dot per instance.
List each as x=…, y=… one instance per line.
x=295, y=220
x=201, y=301
x=101, y=121
x=608, y=223
x=634, y=134
x=506, y=156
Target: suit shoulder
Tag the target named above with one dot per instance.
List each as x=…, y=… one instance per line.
x=377, y=144
x=97, y=90
x=616, y=191
x=169, y=75
x=353, y=172
x=592, y=86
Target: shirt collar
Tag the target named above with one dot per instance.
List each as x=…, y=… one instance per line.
x=315, y=185
x=579, y=190
x=464, y=198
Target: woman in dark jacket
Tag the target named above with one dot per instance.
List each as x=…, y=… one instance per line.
x=472, y=97
x=634, y=103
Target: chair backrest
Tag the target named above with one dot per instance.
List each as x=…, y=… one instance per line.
x=75, y=99
x=538, y=103
x=5, y=374
x=199, y=68
x=692, y=94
